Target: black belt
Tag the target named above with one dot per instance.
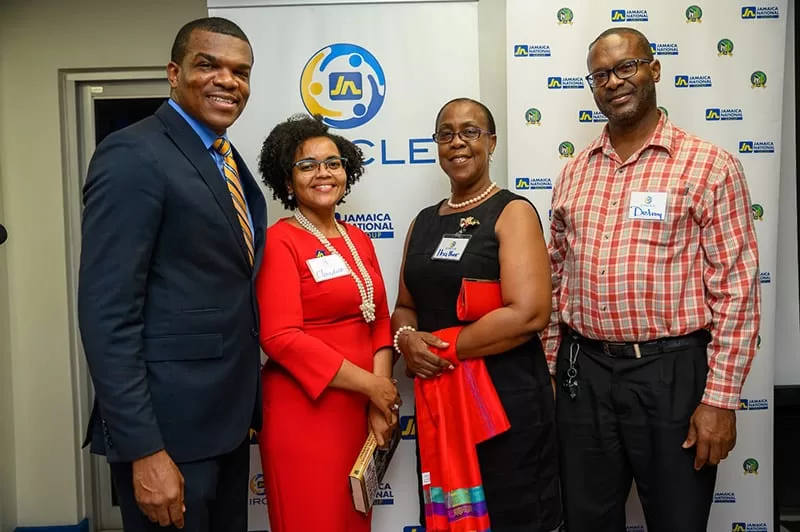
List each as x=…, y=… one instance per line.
x=642, y=349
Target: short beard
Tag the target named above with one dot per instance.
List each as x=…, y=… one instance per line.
x=646, y=101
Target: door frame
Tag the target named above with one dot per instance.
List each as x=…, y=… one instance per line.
x=75, y=143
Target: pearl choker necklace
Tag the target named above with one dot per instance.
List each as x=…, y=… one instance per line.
x=476, y=199
x=365, y=288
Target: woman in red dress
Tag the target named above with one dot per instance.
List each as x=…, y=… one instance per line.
x=325, y=328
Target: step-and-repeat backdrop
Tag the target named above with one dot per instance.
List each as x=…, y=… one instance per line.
x=721, y=79
x=378, y=72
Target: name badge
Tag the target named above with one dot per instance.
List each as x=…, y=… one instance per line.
x=451, y=247
x=327, y=267
x=648, y=206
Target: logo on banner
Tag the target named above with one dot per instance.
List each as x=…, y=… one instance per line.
x=374, y=224
x=760, y=12
x=345, y=84
x=533, y=117
x=749, y=527
x=724, y=497
x=694, y=14
x=758, y=80
x=384, y=496
x=569, y=82
x=756, y=146
x=586, y=116
x=758, y=212
x=565, y=16
x=750, y=466
x=413, y=528
x=258, y=490
x=531, y=50
x=765, y=277
x=408, y=428
x=629, y=15
x=714, y=114
x=753, y=404
x=725, y=47
x=683, y=81
x=663, y=48
x=533, y=183
x=566, y=149
x=663, y=110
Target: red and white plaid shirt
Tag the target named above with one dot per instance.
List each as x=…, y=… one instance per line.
x=632, y=280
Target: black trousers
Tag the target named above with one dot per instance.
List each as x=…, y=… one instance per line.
x=627, y=423
x=215, y=494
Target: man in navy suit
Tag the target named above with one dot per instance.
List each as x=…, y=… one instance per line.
x=166, y=301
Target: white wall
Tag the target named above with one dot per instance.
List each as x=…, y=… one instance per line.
x=37, y=38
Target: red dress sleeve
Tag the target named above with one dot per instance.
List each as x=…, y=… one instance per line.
x=309, y=360
x=382, y=328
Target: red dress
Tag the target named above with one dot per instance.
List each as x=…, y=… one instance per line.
x=312, y=434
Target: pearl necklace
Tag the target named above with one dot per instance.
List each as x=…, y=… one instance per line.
x=365, y=289
x=476, y=199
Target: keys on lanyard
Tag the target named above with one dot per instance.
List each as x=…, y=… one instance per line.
x=569, y=382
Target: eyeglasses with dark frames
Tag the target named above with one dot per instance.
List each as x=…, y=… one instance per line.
x=624, y=70
x=308, y=166
x=468, y=134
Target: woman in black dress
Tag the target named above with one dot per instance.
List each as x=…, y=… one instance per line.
x=519, y=468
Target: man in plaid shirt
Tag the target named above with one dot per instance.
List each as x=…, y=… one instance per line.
x=655, y=305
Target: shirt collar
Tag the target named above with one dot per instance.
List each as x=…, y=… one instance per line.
x=662, y=136
x=204, y=132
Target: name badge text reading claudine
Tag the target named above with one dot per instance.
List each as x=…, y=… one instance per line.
x=327, y=267
x=451, y=247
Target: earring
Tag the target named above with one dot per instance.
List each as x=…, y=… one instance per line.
x=290, y=197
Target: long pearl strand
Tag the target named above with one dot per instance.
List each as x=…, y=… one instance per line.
x=476, y=199
x=365, y=289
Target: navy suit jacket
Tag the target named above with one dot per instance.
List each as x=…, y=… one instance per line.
x=166, y=298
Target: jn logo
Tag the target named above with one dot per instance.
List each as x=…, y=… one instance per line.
x=617, y=15
x=523, y=183
x=681, y=81
x=738, y=527
x=554, y=83
x=746, y=146
x=408, y=428
x=521, y=50
x=345, y=84
x=584, y=116
x=748, y=12
x=712, y=114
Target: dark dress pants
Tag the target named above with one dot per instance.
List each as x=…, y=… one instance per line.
x=215, y=494
x=627, y=423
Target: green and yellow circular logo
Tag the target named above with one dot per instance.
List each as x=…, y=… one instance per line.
x=565, y=16
x=566, y=149
x=725, y=47
x=694, y=14
x=750, y=466
x=758, y=212
x=758, y=79
x=533, y=117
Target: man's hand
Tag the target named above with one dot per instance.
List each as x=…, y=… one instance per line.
x=712, y=431
x=158, y=488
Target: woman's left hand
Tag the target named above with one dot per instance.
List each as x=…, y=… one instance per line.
x=376, y=422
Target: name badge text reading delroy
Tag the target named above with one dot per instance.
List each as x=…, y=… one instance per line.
x=648, y=206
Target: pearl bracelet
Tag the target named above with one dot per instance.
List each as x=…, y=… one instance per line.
x=397, y=334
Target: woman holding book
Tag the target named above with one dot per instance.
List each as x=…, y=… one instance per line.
x=325, y=328
x=480, y=232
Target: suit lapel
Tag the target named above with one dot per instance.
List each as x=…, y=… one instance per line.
x=192, y=147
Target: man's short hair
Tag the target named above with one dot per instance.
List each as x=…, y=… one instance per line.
x=642, y=41
x=210, y=24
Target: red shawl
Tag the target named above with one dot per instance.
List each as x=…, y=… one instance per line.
x=455, y=411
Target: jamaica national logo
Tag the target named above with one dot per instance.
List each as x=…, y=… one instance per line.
x=758, y=80
x=565, y=16
x=725, y=47
x=758, y=212
x=750, y=466
x=533, y=117
x=345, y=84
x=760, y=12
x=566, y=149
x=694, y=14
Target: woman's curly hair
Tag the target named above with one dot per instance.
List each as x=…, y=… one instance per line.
x=278, y=152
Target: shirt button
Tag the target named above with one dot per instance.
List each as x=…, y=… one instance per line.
x=613, y=203
x=602, y=272
x=605, y=236
x=603, y=307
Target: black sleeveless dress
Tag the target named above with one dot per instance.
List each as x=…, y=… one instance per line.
x=519, y=468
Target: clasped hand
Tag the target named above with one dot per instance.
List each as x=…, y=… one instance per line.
x=420, y=361
x=384, y=406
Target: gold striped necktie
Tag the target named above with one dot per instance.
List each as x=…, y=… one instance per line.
x=224, y=148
